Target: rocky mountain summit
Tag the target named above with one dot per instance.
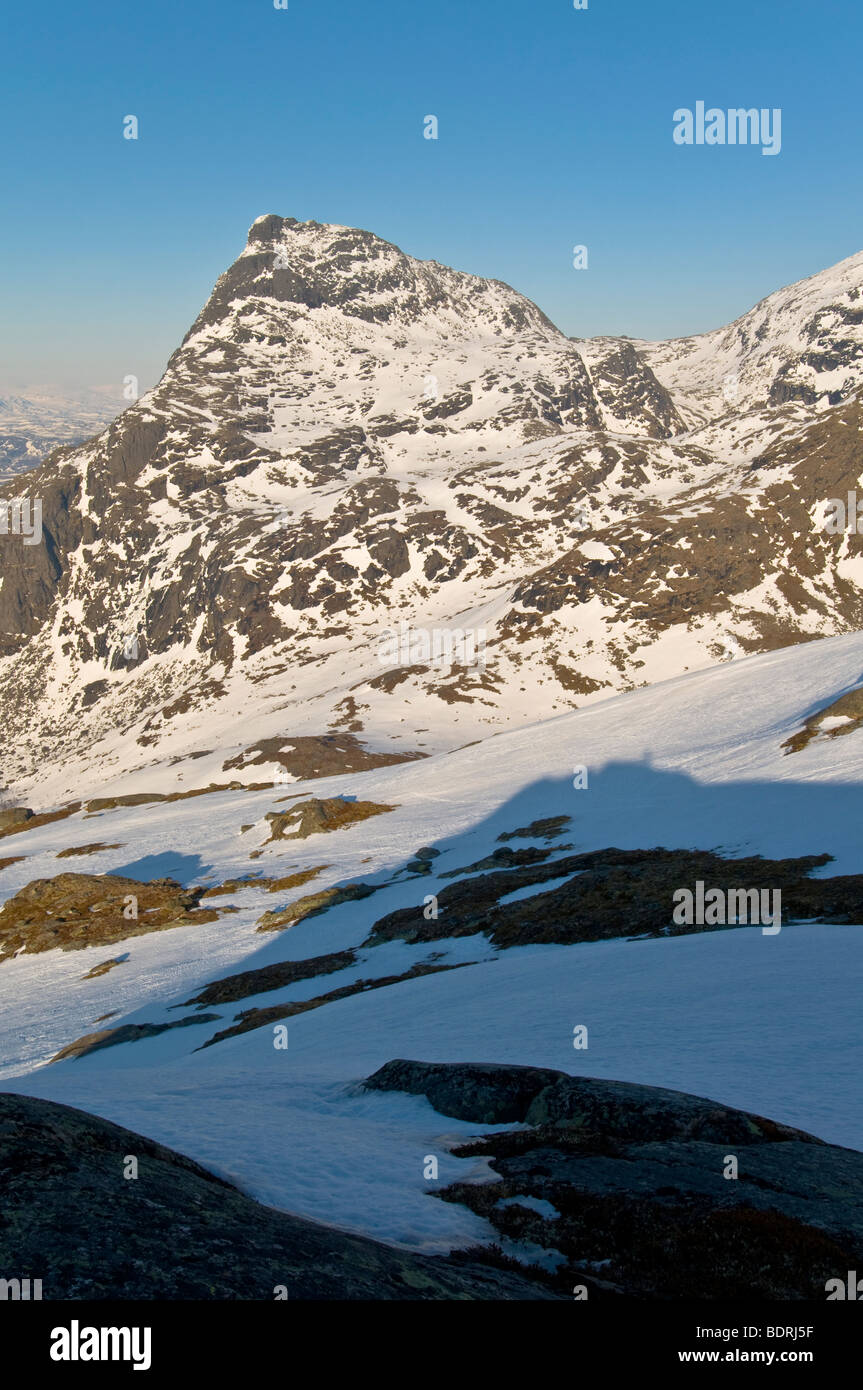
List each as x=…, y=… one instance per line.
x=351, y=443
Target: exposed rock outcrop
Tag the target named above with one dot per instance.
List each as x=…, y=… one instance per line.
x=72, y=911
x=316, y=815
x=613, y=892
x=649, y=1193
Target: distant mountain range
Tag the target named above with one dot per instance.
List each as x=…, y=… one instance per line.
x=350, y=444
x=32, y=426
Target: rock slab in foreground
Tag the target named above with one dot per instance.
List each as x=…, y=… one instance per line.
x=627, y=1184
x=71, y=1219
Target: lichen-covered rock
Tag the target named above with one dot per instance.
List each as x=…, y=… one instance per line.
x=126, y=1033
x=72, y=911
x=313, y=904
x=309, y=756
x=96, y=848
x=315, y=815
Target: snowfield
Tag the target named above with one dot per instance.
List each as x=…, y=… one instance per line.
x=766, y=1023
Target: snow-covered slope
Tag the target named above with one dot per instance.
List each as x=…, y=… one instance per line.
x=765, y=1022
x=803, y=343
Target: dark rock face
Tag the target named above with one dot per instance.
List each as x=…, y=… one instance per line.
x=249, y=1019
x=630, y=1184
x=276, y=976
x=178, y=1232
x=485, y=1092
x=831, y=347
x=32, y=574
x=627, y=386
x=686, y=558
x=612, y=893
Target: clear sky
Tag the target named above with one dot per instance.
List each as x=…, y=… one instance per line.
x=555, y=129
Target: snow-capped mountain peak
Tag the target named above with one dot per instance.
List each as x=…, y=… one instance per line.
x=351, y=443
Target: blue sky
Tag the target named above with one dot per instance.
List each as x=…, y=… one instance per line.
x=555, y=129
